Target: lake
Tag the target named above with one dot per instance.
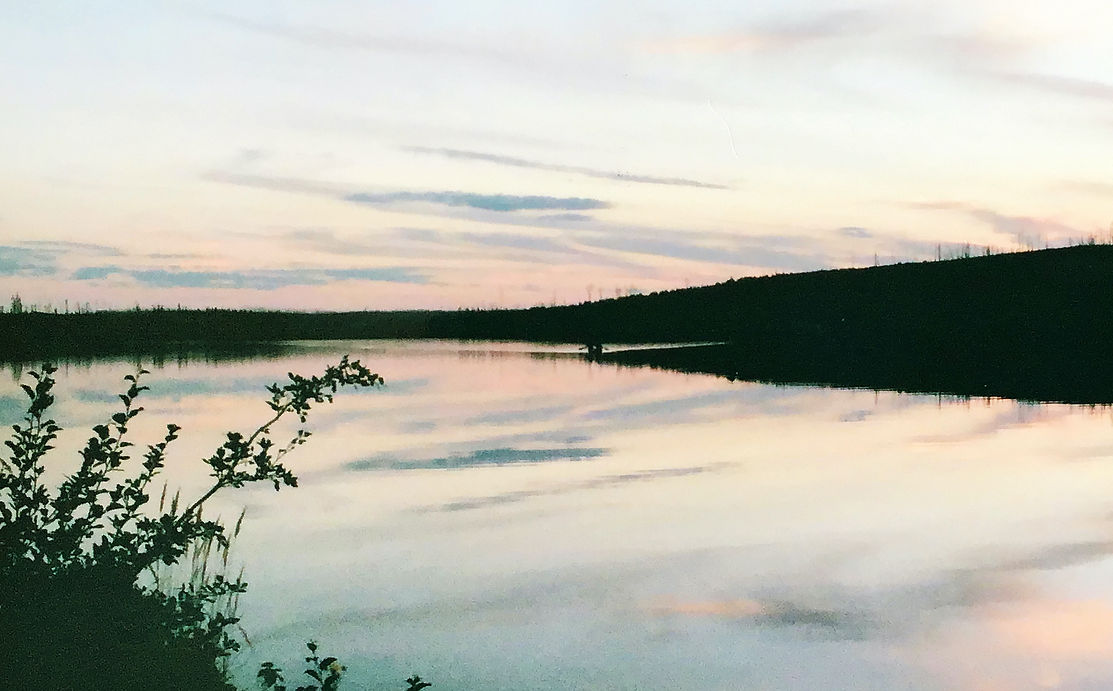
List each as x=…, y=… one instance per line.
x=505, y=516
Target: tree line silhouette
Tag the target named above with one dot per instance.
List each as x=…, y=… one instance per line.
x=978, y=325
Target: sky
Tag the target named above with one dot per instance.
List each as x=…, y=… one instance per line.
x=363, y=155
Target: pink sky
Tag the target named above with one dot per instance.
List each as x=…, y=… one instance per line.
x=350, y=155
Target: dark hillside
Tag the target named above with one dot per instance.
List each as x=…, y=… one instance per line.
x=1053, y=303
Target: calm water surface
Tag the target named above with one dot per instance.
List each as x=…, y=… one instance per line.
x=505, y=516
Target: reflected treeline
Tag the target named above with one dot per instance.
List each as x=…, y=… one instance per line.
x=149, y=355
x=1061, y=380
x=1028, y=325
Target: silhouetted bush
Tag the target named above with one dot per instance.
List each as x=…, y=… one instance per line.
x=325, y=672
x=74, y=612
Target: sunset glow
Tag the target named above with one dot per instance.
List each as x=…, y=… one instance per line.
x=382, y=155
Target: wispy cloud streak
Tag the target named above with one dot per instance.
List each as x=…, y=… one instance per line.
x=1060, y=85
x=273, y=183
x=450, y=198
x=250, y=279
x=514, y=162
x=332, y=39
x=780, y=36
x=488, y=202
x=65, y=246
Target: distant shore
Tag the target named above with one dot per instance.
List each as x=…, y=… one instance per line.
x=1036, y=325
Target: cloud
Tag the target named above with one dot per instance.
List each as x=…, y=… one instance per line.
x=1055, y=629
x=1054, y=557
x=331, y=39
x=595, y=242
x=855, y=232
x=524, y=241
x=20, y=261
x=488, y=202
x=1060, y=85
x=565, y=236
x=176, y=255
x=274, y=183
x=271, y=280
x=258, y=279
x=773, y=252
x=565, y=218
x=389, y=274
x=587, y=242
x=779, y=36
x=541, y=245
x=559, y=67
x=65, y=246
x=558, y=168
x=1025, y=229
x=677, y=249
x=1004, y=58
x=39, y=257
x=94, y=273
x=1101, y=189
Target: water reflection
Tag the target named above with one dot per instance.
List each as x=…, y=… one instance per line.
x=493, y=519
x=497, y=456
x=594, y=483
x=179, y=355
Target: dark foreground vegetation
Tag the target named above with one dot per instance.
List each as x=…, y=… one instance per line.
x=1033, y=324
x=88, y=565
